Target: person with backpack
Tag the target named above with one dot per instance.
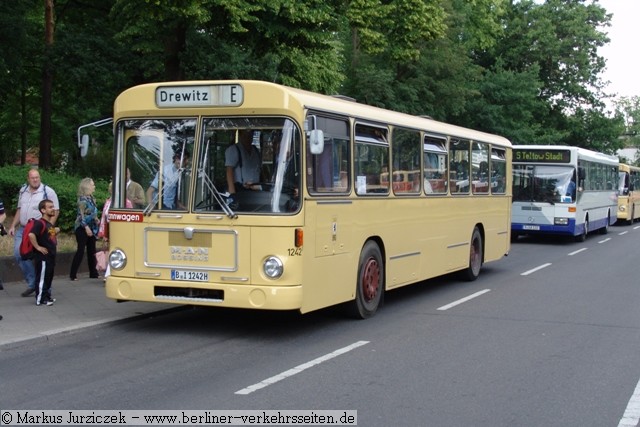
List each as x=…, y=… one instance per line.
x=86, y=228
x=29, y=197
x=44, y=241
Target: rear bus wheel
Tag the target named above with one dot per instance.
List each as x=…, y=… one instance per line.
x=370, y=285
x=605, y=229
x=472, y=272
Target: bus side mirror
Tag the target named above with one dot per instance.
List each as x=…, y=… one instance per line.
x=83, y=144
x=316, y=141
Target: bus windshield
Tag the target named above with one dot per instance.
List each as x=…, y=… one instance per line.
x=623, y=183
x=239, y=165
x=549, y=184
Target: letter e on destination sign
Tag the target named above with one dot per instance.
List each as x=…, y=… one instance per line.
x=228, y=95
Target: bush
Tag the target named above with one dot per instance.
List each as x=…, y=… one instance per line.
x=12, y=178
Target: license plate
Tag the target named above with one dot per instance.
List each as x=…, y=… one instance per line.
x=531, y=227
x=189, y=275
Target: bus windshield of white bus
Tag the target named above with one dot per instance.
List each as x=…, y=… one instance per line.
x=543, y=183
x=241, y=165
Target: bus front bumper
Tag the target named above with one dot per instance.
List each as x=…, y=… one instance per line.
x=205, y=294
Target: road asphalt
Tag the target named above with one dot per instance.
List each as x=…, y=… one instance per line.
x=80, y=304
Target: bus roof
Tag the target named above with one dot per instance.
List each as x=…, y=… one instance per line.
x=582, y=153
x=262, y=96
x=627, y=167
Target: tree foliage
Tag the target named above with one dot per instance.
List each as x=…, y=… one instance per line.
x=528, y=70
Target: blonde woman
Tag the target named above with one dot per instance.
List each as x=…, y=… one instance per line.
x=86, y=229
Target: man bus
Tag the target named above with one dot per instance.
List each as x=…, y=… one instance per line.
x=562, y=190
x=324, y=226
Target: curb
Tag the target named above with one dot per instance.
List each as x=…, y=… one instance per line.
x=10, y=272
x=47, y=335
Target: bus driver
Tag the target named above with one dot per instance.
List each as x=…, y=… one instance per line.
x=242, y=162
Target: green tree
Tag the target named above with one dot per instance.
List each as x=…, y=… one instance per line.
x=592, y=129
x=628, y=110
x=562, y=38
x=291, y=42
x=508, y=105
x=20, y=41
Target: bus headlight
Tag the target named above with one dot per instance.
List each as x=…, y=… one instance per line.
x=273, y=267
x=622, y=208
x=117, y=259
x=561, y=221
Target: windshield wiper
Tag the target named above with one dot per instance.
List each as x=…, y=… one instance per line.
x=158, y=196
x=218, y=197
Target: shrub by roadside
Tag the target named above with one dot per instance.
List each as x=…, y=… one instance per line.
x=12, y=178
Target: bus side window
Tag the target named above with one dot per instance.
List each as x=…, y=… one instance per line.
x=459, y=153
x=406, y=161
x=328, y=172
x=371, y=160
x=498, y=170
x=435, y=165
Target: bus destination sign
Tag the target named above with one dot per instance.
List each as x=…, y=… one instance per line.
x=228, y=95
x=540, y=155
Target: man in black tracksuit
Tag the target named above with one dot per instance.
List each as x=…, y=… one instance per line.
x=44, y=241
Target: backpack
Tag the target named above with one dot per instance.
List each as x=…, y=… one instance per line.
x=26, y=248
x=25, y=187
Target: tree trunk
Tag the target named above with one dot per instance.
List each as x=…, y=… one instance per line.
x=23, y=125
x=174, y=45
x=47, y=87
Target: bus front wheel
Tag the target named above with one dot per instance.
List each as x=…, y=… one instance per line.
x=583, y=236
x=472, y=272
x=370, y=285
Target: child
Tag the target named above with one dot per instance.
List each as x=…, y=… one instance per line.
x=44, y=241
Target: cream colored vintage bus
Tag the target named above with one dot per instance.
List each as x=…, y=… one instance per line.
x=628, y=193
x=322, y=225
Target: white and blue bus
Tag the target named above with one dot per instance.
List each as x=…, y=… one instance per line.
x=563, y=190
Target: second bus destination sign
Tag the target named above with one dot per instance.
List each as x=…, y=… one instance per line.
x=199, y=96
x=541, y=156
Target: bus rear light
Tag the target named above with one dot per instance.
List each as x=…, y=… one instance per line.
x=298, y=238
x=572, y=209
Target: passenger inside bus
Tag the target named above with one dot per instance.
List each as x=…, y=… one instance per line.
x=286, y=171
x=171, y=175
x=243, y=164
x=571, y=188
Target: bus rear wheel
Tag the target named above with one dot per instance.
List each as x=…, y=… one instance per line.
x=472, y=272
x=370, y=285
x=605, y=229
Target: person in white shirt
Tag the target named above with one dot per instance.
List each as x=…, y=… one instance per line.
x=30, y=196
x=170, y=180
x=243, y=163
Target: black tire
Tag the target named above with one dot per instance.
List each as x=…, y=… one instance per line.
x=370, y=284
x=476, y=256
x=582, y=237
x=605, y=229
x=631, y=218
x=514, y=236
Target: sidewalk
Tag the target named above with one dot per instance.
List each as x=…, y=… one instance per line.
x=78, y=305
